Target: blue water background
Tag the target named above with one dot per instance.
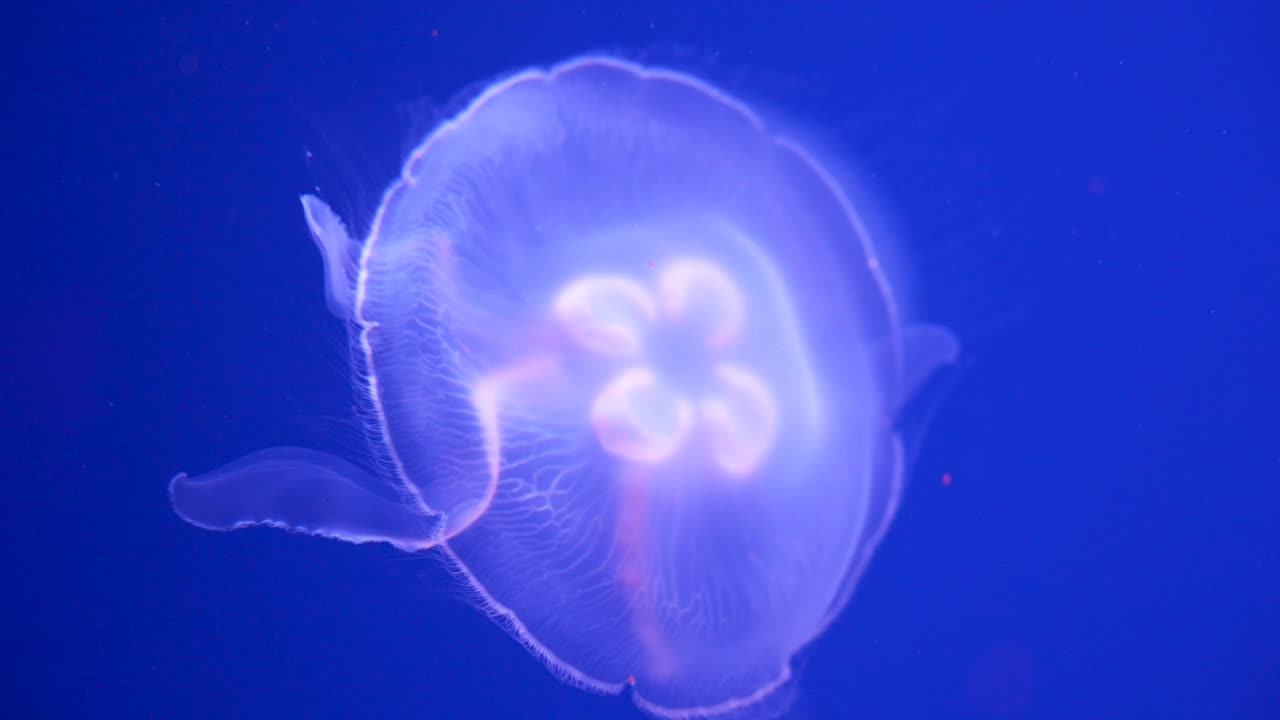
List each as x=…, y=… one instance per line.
x=1086, y=192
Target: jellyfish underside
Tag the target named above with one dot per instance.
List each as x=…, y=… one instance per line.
x=637, y=374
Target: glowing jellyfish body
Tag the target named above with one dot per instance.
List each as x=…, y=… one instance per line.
x=636, y=370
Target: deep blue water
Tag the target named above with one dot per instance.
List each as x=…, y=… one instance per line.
x=1087, y=196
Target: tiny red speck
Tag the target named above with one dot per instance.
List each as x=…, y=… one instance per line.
x=946, y=479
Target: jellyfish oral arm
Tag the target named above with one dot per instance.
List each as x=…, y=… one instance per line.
x=338, y=250
x=304, y=491
x=925, y=349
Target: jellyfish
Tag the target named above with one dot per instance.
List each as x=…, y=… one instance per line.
x=634, y=370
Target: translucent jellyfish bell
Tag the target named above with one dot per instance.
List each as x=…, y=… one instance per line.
x=637, y=370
